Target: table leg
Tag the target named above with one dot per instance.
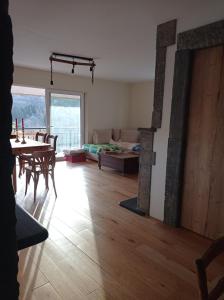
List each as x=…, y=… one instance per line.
x=14, y=179
x=99, y=161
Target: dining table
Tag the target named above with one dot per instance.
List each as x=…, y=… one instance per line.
x=29, y=147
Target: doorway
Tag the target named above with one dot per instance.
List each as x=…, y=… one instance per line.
x=65, y=118
x=203, y=185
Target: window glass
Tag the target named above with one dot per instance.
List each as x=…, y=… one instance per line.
x=29, y=104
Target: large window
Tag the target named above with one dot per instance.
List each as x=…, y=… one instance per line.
x=66, y=119
x=59, y=113
x=29, y=104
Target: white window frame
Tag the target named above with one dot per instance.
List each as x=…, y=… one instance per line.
x=48, y=93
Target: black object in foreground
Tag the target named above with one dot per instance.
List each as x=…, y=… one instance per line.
x=131, y=204
x=29, y=232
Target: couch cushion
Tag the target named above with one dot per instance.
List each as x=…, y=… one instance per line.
x=130, y=135
x=73, y=151
x=124, y=145
x=102, y=136
x=116, y=134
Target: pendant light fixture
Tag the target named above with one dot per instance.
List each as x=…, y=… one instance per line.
x=73, y=60
x=73, y=67
x=52, y=73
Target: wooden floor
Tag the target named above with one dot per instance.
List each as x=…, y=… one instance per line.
x=100, y=251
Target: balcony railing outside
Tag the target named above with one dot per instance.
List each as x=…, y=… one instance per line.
x=67, y=137
x=30, y=132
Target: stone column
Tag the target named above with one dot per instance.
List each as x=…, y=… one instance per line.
x=166, y=36
x=147, y=160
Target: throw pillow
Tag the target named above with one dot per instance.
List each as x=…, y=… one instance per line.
x=130, y=135
x=102, y=136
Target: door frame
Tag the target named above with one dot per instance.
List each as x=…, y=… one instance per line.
x=48, y=93
x=203, y=37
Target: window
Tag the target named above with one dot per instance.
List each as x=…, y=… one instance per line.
x=29, y=104
x=58, y=113
x=66, y=119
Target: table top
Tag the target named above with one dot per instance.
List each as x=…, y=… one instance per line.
x=123, y=155
x=29, y=147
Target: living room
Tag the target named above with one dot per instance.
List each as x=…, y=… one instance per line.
x=116, y=99
x=142, y=53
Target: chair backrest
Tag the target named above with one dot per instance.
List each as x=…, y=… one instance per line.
x=45, y=160
x=202, y=263
x=40, y=137
x=52, y=140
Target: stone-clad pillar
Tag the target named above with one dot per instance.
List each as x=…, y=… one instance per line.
x=166, y=36
x=147, y=160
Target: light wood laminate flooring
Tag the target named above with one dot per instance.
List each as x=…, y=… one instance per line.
x=97, y=250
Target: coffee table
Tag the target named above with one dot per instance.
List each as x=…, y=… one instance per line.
x=125, y=163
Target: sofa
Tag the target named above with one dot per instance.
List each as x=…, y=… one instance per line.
x=116, y=139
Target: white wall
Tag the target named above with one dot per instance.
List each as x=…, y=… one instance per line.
x=106, y=102
x=196, y=18
x=141, y=104
x=161, y=143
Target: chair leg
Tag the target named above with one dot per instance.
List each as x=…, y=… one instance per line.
x=46, y=181
x=52, y=177
x=28, y=176
x=35, y=179
x=21, y=167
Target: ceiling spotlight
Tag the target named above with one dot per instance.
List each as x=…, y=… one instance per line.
x=73, y=67
x=51, y=82
x=92, y=67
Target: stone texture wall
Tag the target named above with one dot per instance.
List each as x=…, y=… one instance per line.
x=166, y=35
x=147, y=159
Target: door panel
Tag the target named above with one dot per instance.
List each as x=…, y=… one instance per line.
x=66, y=119
x=203, y=186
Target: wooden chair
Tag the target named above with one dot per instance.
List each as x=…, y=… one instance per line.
x=40, y=137
x=41, y=162
x=52, y=140
x=202, y=263
x=23, y=161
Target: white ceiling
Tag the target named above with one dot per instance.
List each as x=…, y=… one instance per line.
x=120, y=34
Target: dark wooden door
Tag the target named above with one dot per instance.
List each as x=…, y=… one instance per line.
x=203, y=186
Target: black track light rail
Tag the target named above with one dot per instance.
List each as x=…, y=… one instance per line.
x=72, y=56
x=72, y=60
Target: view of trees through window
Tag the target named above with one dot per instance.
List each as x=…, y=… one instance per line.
x=29, y=104
x=65, y=120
